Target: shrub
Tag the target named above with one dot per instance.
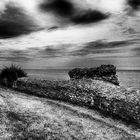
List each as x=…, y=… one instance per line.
x=108, y=98
x=10, y=74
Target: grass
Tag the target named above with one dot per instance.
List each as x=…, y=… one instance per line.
x=106, y=97
x=9, y=75
x=25, y=117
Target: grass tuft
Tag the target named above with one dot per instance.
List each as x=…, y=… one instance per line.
x=10, y=74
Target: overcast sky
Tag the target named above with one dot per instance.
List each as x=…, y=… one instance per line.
x=70, y=33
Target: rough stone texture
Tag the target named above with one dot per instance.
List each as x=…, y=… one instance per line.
x=104, y=72
x=108, y=98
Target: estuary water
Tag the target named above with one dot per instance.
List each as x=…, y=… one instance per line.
x=127, y=78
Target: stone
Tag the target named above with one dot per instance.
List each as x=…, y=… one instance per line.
x=104, y=72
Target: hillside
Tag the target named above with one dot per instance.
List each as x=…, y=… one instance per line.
x=28, y=117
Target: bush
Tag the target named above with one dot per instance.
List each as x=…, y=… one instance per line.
x=108, y=98
x=10, y=74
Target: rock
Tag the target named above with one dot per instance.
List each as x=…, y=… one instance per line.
x=104, y=72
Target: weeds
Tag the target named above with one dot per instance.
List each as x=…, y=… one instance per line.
x=10, y=74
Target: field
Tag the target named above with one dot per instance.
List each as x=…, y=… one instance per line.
x=108, y=98
x=32, y=118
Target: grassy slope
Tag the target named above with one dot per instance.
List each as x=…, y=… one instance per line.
x=23, y=117
x=113, y=100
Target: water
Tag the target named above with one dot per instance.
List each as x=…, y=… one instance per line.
x=129, y=78
x=126, y=78
x=49, y=74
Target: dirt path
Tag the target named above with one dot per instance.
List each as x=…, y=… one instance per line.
x=26, y=117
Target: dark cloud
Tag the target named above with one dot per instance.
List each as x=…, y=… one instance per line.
x=87, y=62
x=96, y=47
x=135, y=4
x=100, y=47
x=53, y=28
x=100, y=44
x=14, y=59
x=136, y=51
x=65, y=9
x=13, y=22
x=50, y=52
x=62, y=8
x=89, y=16
x=14, y=56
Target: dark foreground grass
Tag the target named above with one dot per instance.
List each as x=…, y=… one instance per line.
x=21, y=126
x=108, y=98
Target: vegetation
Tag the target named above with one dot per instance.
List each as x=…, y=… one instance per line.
x=108, y=98
x=87, y=91
x=10, y=74
x=24, y=117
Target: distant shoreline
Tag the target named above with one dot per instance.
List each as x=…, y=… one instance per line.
x=127, y=78
x=78, y=67
x=67, y=69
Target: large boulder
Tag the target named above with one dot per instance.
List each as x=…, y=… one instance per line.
x=104, y=72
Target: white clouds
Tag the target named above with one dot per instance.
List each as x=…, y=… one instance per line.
x=112, y=6
x=60, y=36
x=111, y=29
x=115, y=6
x=75, y=34
x=32, y=8
x=29, y=7
x=46, y=20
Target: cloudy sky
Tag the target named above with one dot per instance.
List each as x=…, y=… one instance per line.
x=41, y=34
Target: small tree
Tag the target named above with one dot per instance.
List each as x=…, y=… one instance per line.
x=10, y=74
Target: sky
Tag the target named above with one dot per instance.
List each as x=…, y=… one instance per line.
x=44, y=34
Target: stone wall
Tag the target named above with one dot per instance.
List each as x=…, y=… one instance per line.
x=104, y=72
